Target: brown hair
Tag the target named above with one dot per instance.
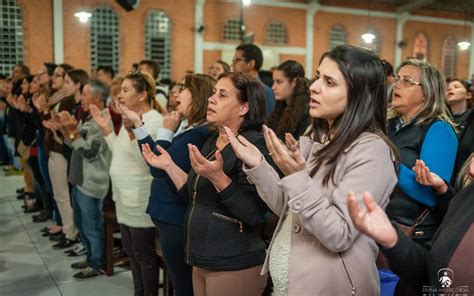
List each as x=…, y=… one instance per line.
x=78, y=76
x=143, y=82
x=366, y=107
x=201, y=87
x=287, y=114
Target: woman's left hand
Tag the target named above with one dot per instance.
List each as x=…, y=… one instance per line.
x=210, y=169
x=289, y=162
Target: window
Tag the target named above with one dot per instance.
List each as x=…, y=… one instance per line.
x=448, y=60
x=276, y=33
x=11, y=38
x=420, y=46
x=105, y=38
x=158, y=41
x=337, y=36
x=232, y=30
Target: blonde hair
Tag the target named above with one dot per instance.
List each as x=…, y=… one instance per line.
x=433, y=85
x=463, y=179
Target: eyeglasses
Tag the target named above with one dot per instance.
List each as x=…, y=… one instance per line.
x=405, y=81
x=181, y=87
x=235, y=60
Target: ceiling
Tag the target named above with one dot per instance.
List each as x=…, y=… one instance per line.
x=460, y=6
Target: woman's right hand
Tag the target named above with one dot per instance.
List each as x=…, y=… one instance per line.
x=172, y=120
x=245, y=151
x=425, y=177
x=372, y=220
x=162, y=161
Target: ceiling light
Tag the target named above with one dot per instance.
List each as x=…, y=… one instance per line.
x=83, y=16
x=368, y=37
x=463, y=45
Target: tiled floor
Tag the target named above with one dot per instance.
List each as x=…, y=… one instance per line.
x=28, y=264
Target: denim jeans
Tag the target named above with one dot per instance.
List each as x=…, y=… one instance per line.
x=90, y=223
x=43, y=165
x=10, y=145
x=3, y=148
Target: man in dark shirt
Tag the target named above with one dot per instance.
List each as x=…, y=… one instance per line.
x=248, y=59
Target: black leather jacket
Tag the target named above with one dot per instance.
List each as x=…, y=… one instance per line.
x=223, y=229
x=402, y=208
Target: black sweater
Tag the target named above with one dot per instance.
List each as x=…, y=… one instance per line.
x=466, y=141
x=418, y=266
x=223, y=229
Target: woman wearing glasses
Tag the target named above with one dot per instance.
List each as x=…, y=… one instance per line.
x=420, y=127
x=186, y=125
x=131, y=179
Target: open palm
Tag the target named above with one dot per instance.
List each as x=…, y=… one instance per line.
x=244, y=150
x=162, y=161
x=103, y=120
x=371, y=220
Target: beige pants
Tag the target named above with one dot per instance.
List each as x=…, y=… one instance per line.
x=246, y=282
x=57, y=167
x=24, y=152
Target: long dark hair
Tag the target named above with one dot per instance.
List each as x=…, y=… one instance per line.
x=287, y=115
x=249, y=90
x=366, y=109
x=201, y=87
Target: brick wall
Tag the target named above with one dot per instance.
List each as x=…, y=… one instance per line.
x=38, y=31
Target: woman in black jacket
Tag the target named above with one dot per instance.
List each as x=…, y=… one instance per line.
x=442, y=264
x=224, y=219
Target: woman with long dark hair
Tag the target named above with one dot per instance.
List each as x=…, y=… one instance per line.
x=315, y=246
x=291, y=89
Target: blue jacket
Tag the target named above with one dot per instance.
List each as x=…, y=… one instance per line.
x=165, y=204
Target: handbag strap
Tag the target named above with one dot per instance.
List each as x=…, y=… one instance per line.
x=421, y=218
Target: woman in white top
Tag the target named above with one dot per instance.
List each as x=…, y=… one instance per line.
x=131, y=180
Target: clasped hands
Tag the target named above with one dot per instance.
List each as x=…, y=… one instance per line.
x=64, y=122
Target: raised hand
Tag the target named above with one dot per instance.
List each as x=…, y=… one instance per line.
x=245, y=151
x=427, y=178
x=23, y=104
x=210, y=169
x=371, y=220
x=129, y=116
x=162, y=161
x=291, y=142
x=39, y=101
x=172, y=120
x=13, y=100
x=288, y=161
x=103, y=119
x=51, y=124
x=68, y=122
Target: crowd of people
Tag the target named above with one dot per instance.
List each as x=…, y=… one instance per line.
x=288, y=187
